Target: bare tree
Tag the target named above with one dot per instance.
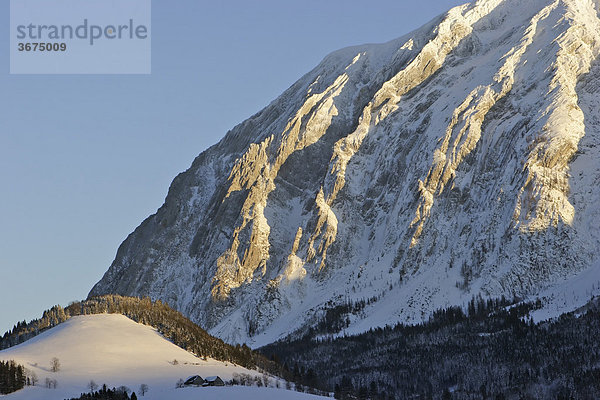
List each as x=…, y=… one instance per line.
x=143, y=389
x=179, y=383
x=51, y=383
x=33, y=378
x=54, y=364
x=92, y=386
x=266, y=380
x=124, y=389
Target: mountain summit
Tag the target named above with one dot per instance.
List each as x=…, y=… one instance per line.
x=461, y=159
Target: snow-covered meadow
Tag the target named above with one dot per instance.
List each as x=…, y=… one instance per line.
x=111, y=349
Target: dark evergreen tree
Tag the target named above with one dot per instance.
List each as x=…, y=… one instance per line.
x=12, y=377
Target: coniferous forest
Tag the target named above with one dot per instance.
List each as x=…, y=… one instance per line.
x=491, y=351
x=12, y=377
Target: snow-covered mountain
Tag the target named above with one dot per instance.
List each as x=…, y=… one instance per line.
x=111, y=349
x=460, y=159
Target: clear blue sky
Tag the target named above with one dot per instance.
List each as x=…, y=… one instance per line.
x=84, y=159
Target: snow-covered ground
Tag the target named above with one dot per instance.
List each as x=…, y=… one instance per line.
x=569, y=294
x=459, y=160
x=113, y=349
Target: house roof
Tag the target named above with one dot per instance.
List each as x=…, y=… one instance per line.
x=211, y=378
x=193, y=377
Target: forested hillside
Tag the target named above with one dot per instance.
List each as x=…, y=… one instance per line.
x=492, y=351
x=170, y=323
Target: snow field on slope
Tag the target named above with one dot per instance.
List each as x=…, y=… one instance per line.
x=113, y=349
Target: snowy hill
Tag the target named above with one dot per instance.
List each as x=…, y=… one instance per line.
x=112, y=349
x=461, y=159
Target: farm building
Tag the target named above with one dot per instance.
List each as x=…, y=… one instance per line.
x=213, y=381
x=194, y=380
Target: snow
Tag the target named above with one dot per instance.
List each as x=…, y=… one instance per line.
x=205, y=393
x=568, y=295
x=112, y=349
x=458, y=160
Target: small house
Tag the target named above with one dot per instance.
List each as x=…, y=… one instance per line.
x=213, y=381
x=194, y=380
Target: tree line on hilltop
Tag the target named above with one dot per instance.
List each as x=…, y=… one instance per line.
x=170, y=323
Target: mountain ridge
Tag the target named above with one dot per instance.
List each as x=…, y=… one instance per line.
x=459, y=159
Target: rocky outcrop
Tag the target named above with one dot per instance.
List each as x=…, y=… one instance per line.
x=460, y=159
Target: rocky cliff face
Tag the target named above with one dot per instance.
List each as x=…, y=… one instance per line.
x=461, y=159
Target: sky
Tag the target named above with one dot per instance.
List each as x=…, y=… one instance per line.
x=84, y=159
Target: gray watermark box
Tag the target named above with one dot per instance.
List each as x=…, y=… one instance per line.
x=80, y=36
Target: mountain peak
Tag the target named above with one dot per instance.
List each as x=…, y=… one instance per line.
x=457, y=160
